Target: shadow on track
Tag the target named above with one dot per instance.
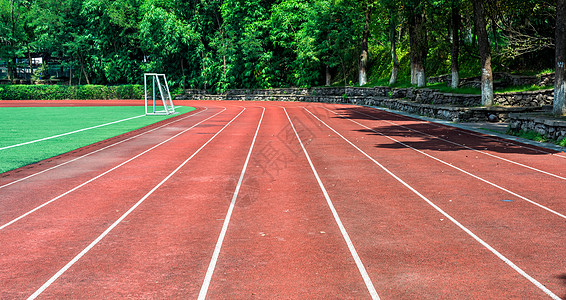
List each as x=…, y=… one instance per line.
x=563, y=278
x=431, y=141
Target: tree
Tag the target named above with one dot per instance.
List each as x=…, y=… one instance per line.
x=392, y=11
x=455, y=26
x=367, y=7
x=295, y=54
x=485, y=53
x=559, y=105
x=15, y=34
x=418, y=40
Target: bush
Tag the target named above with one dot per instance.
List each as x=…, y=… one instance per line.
x=61, y=92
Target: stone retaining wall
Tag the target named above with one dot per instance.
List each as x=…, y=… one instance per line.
x=424, y=96
x=365, y=97
x=525, y=99
x=501, y=80
x=545, y=124
x=449, y=113
x=429, y=96
x=319, y=91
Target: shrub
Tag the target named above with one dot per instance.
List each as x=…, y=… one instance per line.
x=62, y=92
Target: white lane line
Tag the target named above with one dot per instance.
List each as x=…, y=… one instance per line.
x=353, y=252
x=217, y=248
x=461, y=170
x=68, y=133
x=457, y=144
x=102, y=174
x=469, y=132
x=105, y=233
x=453, y=220
x=96, y=151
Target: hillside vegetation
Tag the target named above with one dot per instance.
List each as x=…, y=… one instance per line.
x=222, y=44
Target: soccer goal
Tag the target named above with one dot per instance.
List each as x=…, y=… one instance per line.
x=157, y=97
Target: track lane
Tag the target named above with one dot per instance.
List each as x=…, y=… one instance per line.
x=275, y=247
x=477, y=206
x=532, y=156
x=482, y=136
x=159, y=250
x=479, y=167
x=283, y=241
x=54, y=234
x=462, y=144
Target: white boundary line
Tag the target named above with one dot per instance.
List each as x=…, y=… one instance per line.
x=459, y=169
x=109, y=146
x=102, y=174
x=457, y=144
x=217, y=248
x=107, y=231
x=353, y=252
x=453, y=220
x=511, y=140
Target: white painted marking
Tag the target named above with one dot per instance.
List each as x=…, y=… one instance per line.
x=461, y=170
x=449, y=217
x=460, y=145
x=107, y=231
x=353, y=252
x=100, y=175
x=68, y=133
x=218, y=247
x=96, y=151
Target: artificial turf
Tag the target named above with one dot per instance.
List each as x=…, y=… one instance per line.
x=24, y=124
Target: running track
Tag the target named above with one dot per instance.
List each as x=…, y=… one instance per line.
x=240, y=200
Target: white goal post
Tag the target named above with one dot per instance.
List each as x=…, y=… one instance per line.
x=157, y=97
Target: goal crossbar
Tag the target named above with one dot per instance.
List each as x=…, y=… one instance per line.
x=157, y=96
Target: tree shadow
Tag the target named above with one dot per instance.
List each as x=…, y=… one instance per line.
x=562, y=277
x=431, y=137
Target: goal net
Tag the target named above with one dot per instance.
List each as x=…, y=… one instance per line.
x=157, y=97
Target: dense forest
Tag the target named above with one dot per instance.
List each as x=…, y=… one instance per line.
x=222, y=44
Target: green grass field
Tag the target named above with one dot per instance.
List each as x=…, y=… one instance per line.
x=20, y=125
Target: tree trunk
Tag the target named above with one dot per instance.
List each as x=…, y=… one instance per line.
x=485, y=54
x=455, y=81
x=412, y=51
x=182, y=74
x=224, y=65
x=364, y=56
x=394, y=58
x=84, y=71
x=419, y=48
x=494, y=31
x=343, y=66
x=559, y=105
x=328, y=76
x=29, y=62
x=13, y=68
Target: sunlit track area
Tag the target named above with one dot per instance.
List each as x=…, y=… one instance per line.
x=286, y=200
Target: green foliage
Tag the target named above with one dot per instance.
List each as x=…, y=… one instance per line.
x=222, y=44
x=61, y=92
x=523, y=88
x=442, y=87
x=531, y=135
x=40, y=73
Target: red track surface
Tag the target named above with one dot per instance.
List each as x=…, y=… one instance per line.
x=430, y=212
